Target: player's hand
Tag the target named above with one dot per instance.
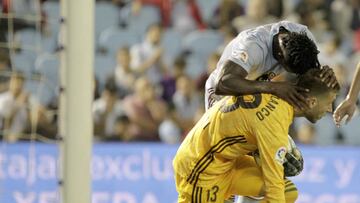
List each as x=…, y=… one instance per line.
x=290, y=93
x=346, y=108
x=294, y=163
x=327, y=75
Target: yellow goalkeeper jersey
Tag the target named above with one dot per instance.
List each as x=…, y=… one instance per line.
x=233, y=127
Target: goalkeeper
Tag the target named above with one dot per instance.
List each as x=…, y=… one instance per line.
x=213, y=163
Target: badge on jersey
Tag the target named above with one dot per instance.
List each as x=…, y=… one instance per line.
x=280, y=155
x=243, y=56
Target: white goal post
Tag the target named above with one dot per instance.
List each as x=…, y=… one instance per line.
x=76, y=79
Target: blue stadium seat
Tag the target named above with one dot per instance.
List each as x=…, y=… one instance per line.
x=147, y=16
x=52, y=9
x=172, y=43
x=207, y=8
x=28, y=39
x=104, y=66
x=325, y=131
x=31, y=39
x=113, y=38
x=48, y=66
x=41, y=92
x=24, y=61
x=352, y=131
x=106, y=15
x=195, y=66
x=203, y=43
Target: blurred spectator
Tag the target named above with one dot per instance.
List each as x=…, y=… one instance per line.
x=256, y=15
x=124, y=76
x=44, y=120
x=145, y=110
x=96, y=88
x=24, y=12
x=14, y=108
x=5, y=68
x=225, y=13
x=355, y=23
x=169, y=130
x=106, y=110
x=275, y=8
x=306, y=7
x=330, y=52
x=146, y=57
x=169, y=82
x=211, y=65
x=183, y=15
x=122, y=129
x=355, y=18
x=341, y=13
x=316, y=15
x=164, y=7
x=125, y=10
x=186, y=16
x=186, y=101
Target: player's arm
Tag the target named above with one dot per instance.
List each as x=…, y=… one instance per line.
x=232, y=81
x=273, y=142
x=348, y=106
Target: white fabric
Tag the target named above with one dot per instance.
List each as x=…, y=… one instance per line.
x=142, y=52
x=122, y=78
x=252, y=49
x=9, y=105
x=182, y=20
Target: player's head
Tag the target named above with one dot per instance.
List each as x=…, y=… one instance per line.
x=154, y=33
x=296, y=51
x=320, y=97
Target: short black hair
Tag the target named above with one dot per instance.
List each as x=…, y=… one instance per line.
x=301, y=53
x=311, y=80
x=110, y=85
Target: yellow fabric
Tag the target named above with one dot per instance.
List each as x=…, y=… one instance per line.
x=213, y=151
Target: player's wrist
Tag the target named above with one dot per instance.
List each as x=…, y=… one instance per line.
x=351, y=99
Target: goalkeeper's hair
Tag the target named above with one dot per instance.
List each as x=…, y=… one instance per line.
x=311, y=80
x=301, y=53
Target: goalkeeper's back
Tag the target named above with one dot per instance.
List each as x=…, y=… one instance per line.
x=233, y=127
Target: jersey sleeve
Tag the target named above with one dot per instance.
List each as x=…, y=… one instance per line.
x=247, y=54
x=272, y=140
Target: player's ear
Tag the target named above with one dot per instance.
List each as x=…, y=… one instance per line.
x=312, y=101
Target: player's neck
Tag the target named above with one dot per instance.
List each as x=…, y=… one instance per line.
x=298, y=112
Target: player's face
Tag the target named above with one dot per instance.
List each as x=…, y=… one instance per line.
x=322, y=106
x=283, y=39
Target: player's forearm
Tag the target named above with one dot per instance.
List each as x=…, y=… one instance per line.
x=232, y=85
x=355, y=86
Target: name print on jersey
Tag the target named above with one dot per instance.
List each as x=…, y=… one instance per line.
x=268, y=108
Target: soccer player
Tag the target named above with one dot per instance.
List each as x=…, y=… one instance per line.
x=348, y=106
x=212, y=162
x=261, y=54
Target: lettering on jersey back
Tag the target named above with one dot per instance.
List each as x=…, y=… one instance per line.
x=268, y=108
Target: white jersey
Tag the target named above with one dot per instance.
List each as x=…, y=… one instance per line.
x=252, y=50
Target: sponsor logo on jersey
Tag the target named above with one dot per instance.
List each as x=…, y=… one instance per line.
x=243, y=56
